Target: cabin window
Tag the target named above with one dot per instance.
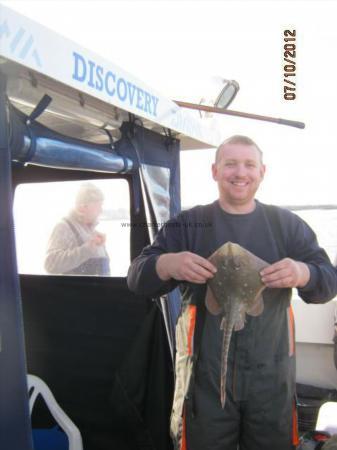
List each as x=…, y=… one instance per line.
x=73, y=227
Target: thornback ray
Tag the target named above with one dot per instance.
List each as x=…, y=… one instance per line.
x=234, y=291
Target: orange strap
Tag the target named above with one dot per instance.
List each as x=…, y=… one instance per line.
x=295, y=436
x=192, y=313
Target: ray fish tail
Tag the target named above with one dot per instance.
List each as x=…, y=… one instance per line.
x=227, y=325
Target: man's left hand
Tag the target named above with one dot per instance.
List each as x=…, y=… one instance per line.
x=286, y=273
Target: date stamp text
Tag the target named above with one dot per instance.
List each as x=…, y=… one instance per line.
x=289, y=64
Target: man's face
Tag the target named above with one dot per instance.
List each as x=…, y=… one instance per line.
x=238, y=172
x=90, y=211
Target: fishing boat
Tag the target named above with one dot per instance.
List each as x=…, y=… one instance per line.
x=69, y=116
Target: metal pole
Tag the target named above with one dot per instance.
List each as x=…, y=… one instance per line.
x=229, y=112
x=15, y=428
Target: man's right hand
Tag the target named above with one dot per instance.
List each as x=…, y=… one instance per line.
x=185, y=266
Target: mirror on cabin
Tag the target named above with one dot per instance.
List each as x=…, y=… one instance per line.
x=227, y=94
x=73, y=227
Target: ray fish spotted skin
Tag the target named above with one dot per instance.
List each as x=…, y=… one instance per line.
x=234, y=291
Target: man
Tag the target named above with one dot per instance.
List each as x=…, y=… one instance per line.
x=75, y=246
x=259, y=413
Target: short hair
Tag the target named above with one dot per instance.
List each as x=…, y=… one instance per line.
x=238, y=139
x=88, y=193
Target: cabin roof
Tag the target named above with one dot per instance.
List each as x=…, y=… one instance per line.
x=89, y=93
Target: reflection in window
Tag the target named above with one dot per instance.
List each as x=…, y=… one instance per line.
x=73, y=227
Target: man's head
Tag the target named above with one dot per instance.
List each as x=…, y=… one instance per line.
x=238, y=169
x=88, y=203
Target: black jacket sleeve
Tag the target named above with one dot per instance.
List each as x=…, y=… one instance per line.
x=142, y=276
x=302, y=246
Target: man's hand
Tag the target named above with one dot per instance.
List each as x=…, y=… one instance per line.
x=286, y=273
x=185, y=266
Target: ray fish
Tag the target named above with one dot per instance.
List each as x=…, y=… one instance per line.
x=234, y=291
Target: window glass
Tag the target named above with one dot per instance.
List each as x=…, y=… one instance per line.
x=73, y=227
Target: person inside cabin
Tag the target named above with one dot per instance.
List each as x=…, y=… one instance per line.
x=260, y=409
x=75, y=246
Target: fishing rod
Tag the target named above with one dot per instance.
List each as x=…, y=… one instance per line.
x=229, y=112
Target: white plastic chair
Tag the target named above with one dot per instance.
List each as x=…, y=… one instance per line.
x=38, y=387
x=327, y=418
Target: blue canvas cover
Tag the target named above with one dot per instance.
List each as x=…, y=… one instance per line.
x=15, y=432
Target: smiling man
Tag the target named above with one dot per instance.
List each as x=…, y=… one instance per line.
x=238, y=170
x=260, y=412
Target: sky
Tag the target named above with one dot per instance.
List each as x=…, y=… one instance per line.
x=182, y=49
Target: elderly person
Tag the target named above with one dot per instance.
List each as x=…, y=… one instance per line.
x=75, y=247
